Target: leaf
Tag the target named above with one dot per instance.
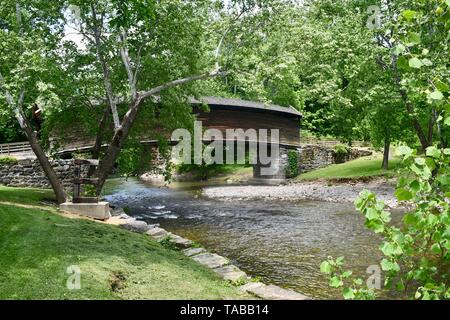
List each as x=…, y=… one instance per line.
x=447, y=121
x=340, y=261
x=400, y=286
x=435, y=248
x=415, y=185
x=410, y=218
x=432, y=220
x=427, y=62
x=348, y=294
x=441, y=86
x=399, y=49
x=325, y=267
x=403, y=194
x=436, y=95
x=420, y=161
x=376, y=225
x=409, y=14
x=402, y=62
x=335, y=282
x=433, y=152
x=387, y=265
x=388, y=249
x=385, y=216
x=417, y=295
x=347, y=274
x=415, y=63
x=413, y=38
x=404, y=151
x=372, y=214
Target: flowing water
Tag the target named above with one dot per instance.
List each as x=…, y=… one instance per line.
x=281, y=242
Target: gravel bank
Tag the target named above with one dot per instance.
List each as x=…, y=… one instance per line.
x=341, y=192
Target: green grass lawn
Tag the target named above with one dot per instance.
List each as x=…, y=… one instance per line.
x=37, y=246
x=359, y=168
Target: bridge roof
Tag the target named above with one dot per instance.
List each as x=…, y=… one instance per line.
x=245, y=104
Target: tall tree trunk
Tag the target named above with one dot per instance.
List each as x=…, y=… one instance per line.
x=425, y=143
x=99, y=138
x=34, y=143
x=387, y=146
x=120, y=135
x=57, y=187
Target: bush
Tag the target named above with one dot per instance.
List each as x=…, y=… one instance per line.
x=341, y=152
x=292, y=169
x=167, y=243
x=7, y=160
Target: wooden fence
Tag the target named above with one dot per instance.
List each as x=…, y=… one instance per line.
x=15, y=149
x=330, y=142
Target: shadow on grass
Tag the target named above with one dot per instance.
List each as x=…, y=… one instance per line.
x=37, y=247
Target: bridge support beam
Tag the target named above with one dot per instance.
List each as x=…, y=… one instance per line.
x=277, y=170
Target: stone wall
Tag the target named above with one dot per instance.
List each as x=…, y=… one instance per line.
x=279, y=167
x=313, y=157
x=28, y=173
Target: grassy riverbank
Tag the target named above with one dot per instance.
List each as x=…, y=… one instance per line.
x=37, y=245
x=362, y=168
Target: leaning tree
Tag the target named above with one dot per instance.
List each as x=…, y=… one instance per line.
x=127, y=54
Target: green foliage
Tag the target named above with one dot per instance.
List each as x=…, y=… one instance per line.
x=341, y=150
x=9, y=128
x=416, y=255
x=6, y=160
x=89, y=191
x=338, y=278
x=167, y=243
x=292, y=170
x=133, y=159
x=341, y=153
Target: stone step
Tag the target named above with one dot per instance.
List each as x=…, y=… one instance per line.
x=180, y=242
x=158, y=233
x=136, y=226
x=193, y=251
x=210, y=260
x=271, y=292
x=231, y=273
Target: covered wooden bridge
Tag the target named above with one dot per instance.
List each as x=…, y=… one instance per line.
x=223, y=114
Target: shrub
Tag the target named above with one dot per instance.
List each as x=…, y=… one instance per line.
x=7, y=160
x=167, y=243
x=292, y=169
x=341, y=152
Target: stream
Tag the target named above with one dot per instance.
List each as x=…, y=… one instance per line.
x=282, y=243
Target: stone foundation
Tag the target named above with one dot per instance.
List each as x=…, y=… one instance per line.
x=313, y=157
x=28, y=173
x=272, y=171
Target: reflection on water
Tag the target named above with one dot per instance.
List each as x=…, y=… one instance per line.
x=282, y=242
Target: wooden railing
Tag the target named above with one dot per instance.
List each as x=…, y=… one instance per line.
x=15, y=148
x=329, y=142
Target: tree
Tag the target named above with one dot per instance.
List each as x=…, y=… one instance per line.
x=411, y=41
x=416, y=256
x=146, y=69
x=25, y=38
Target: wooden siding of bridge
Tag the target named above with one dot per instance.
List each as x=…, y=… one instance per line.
x=289, y=127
